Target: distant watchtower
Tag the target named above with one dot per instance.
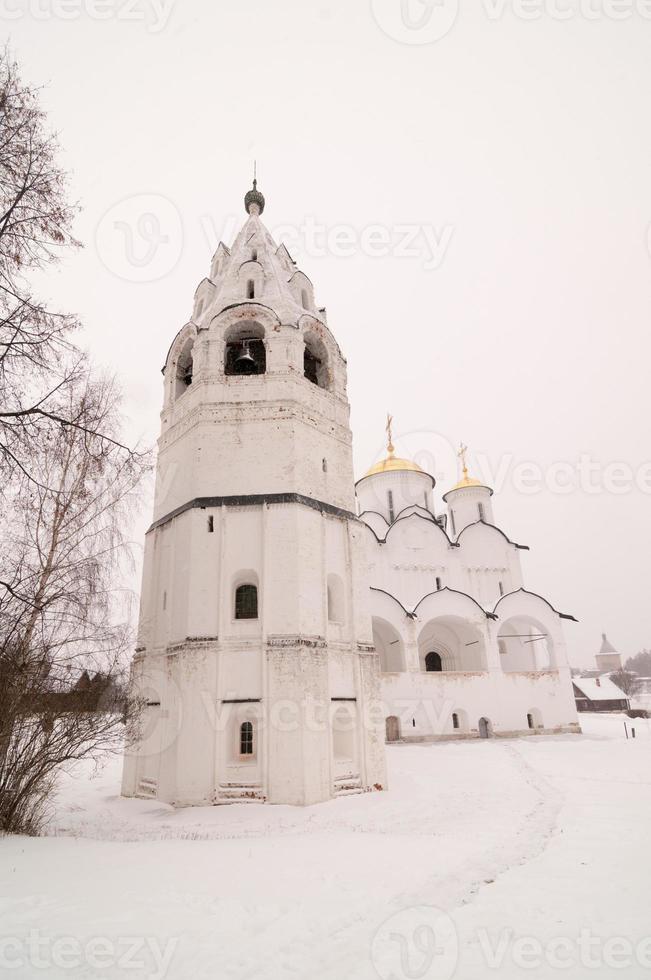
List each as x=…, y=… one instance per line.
x=608, y=659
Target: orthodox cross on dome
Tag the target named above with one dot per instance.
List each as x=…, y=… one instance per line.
x=462, y=456
x=390, y=447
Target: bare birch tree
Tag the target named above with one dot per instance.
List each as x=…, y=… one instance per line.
x=60, y=611
x=68, y=484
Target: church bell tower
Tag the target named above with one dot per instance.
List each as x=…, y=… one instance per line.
x=255, y=655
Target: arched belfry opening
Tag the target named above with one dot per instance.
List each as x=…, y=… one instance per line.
x=245, y=351
x=184, y=368
x=315, y=360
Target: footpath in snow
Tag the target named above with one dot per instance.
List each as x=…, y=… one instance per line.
x=506, y=858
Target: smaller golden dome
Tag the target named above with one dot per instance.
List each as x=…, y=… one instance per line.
x=467, y=481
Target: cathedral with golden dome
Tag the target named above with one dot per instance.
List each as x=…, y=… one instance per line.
x=292, y=621
x=465, y=649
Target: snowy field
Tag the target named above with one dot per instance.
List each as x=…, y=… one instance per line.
x=534, y=851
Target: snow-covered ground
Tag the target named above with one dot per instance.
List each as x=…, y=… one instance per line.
x=534, y=851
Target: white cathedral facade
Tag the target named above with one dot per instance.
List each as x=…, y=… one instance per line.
x=290, y=620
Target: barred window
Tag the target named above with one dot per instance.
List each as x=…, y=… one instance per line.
x=246, y=738
x=246, y=602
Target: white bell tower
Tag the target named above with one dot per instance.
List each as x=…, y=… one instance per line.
x=255, y=652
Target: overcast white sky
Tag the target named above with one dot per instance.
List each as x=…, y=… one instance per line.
x=513, y=152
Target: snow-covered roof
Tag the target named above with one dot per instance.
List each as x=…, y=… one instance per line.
x=599, y=688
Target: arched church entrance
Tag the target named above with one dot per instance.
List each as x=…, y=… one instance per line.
x=393, y=728
x=485, y=728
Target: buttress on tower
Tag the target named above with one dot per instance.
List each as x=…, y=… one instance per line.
x=255, y=651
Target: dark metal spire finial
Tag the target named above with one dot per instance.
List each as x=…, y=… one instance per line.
x=254, y=199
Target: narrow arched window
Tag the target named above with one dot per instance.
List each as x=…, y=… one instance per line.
x=433, y=662
x=480, y=508
x=452, y=524
x=455, y=720
x=530, y=721
x=250, y=289
x=254, y=255
x=246, y=602
x=246, y=738
x=305, y=299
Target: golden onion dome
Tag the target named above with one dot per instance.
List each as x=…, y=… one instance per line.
x=391, y=464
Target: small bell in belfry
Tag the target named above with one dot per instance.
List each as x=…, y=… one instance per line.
x=245, y=361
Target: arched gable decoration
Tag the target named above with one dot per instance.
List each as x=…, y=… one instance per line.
x=250, y=262
x=420, y=517
x=250, y=309
x=535, y=596
x=411, y=615
x=493, y=527
x=299, y=274
x=440, y=592
x=376, y=513
x=417, y=509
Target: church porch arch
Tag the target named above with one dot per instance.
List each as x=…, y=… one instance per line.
x=389, y=645
x=451, y=644
x=525, y=645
